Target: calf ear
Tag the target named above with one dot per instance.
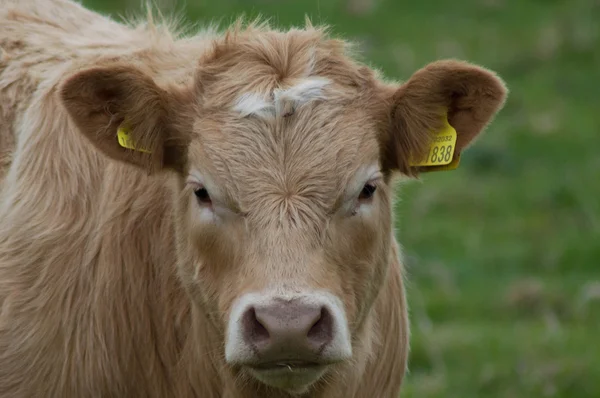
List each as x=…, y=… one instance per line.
x=127, y=116
x=467, y=95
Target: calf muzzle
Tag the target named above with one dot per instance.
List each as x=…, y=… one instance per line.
x=288, y=341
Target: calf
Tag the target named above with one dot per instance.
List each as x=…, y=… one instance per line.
x=208, y=216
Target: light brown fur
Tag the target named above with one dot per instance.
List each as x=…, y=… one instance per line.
x=108, y=287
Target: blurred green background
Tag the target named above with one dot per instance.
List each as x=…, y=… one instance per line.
x=503, y=254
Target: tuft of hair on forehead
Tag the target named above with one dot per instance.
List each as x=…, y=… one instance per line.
x=282, y=102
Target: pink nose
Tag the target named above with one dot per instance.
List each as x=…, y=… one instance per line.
x=284, y=330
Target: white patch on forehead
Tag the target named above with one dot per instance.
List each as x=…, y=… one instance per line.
x=298, y=95
x=283, y=100
x=252, y=104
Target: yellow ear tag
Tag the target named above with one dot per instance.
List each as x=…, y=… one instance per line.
x=126, y=141
x=441, y=153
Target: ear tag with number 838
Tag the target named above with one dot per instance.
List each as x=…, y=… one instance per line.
x=441, y=152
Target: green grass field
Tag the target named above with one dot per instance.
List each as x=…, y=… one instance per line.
x=504, y=253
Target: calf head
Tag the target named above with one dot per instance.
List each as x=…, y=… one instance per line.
x=284, y=149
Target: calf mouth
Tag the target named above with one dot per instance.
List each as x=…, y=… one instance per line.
x=290, y=365
x=293, y=376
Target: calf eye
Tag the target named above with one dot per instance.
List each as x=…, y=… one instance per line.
x=367, y=192
x=203, y=196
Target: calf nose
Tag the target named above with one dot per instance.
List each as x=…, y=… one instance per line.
x=268, y=331
x=290, y=329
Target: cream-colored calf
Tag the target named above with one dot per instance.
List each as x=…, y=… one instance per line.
x=244, y=246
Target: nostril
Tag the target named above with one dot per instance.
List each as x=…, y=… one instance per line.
x=254, y=330
x=321, y=331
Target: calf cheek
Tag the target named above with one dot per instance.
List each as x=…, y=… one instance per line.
x=359, y=253
x=213, y=271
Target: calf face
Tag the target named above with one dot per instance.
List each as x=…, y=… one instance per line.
x=284, y=150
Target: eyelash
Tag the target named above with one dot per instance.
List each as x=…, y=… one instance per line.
x=367, y=192
x=202, y=195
